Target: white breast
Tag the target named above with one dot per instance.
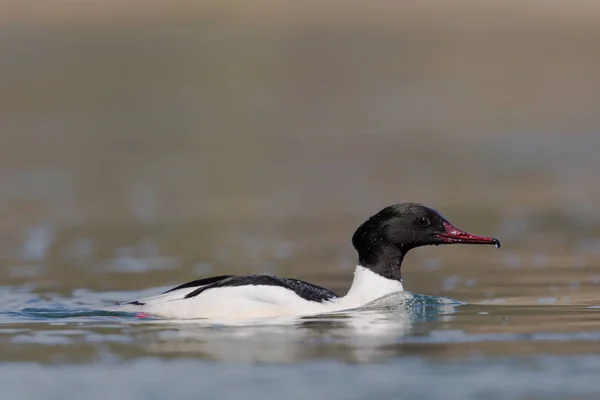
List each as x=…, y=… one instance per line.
x=368, y=286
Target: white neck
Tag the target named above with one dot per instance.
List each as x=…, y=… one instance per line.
x=366, y=287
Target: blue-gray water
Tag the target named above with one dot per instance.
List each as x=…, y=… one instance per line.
x=404, y=345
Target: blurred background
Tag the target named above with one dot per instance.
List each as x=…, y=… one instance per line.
x=146, y=143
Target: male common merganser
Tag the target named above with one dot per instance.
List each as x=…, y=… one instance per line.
x=381, y=242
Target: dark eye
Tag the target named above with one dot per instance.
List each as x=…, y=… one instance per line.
x=424, y=221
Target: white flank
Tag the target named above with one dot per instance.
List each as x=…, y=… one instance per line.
x=258, y=301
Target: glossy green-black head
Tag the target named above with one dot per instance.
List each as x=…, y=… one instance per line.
x=383, y=240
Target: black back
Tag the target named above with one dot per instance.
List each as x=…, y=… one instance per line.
x=306, y=290
x=200, y=282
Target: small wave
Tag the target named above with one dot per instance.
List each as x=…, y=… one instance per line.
x=60, y=312
x=413, y=303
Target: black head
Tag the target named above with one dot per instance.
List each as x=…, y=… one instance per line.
x=383, y=240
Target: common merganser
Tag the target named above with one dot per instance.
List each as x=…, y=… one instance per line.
x=381, y=242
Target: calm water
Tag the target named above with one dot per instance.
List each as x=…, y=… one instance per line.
x=136, y=159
